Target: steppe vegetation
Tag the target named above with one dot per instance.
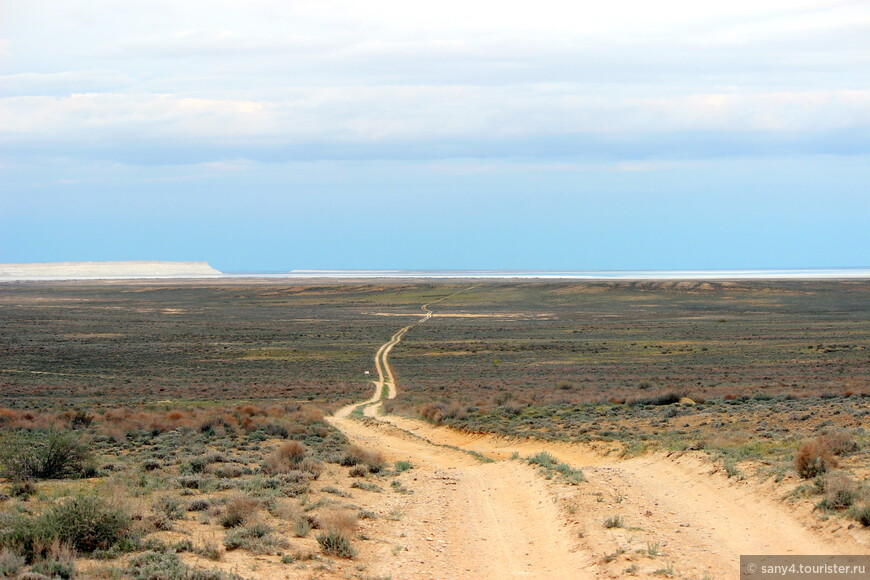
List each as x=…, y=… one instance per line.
x=181, y=490
x=177, y=431
x=140, y=343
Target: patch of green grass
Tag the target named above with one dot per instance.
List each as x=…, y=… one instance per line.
x=551, y=466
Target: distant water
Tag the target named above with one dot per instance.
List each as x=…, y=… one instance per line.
x=817, y=274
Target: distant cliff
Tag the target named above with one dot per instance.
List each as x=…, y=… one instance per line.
x=96, y=270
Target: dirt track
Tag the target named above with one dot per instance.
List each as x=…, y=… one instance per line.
x=502, y=520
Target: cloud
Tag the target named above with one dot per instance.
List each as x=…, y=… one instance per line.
x=63, y=83
x=393, y=115
x=267, y=79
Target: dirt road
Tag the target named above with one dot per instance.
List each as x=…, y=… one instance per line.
x=503, y=520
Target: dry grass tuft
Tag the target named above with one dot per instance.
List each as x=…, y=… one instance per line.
x=286, y=457
x=354, y=455
x=338, y=520
x=238, y=511
x=839, y=441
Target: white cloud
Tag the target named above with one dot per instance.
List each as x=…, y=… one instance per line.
x=396, y=114
x=273, y=73
x=63, y=83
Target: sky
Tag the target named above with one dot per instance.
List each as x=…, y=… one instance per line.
x=269, y=135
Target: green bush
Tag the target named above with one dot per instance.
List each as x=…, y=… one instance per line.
x=336, y=544
x=44, y=455
x=157, y=566
x=170, y=506
x=168, y=566
x=85, y=523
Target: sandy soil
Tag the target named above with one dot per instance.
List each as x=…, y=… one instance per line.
x=469, y=519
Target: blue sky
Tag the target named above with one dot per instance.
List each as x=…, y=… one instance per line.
x=267, y=135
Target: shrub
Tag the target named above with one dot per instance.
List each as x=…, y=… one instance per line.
x=814, y=458
x=168, y=566
x=359, y=471
x=544, y=459
x=185, y=545
x=665, y=399
x=402, y=466
x=257, y=538
x=10, y=563
x=336, y=544
x=19, y=533
x=551, y=465
x=198, y=505
x=301, y=527
x=238, y=511
x=86, y=523
x=366, y=486
x=286, y=457
x=44, y=455
x=275, y=430
x=81, y=420
x=210, y=550
x=156, y=566
x=336, y=520
x=191, y=481
x=171, y=506
x=22, y=489
x=839, y=441
x=311, y=467
x=354, y=455
x=59, y=563
x=840, y=492
x=862, y=515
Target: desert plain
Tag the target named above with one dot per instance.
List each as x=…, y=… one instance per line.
x=260, y=428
